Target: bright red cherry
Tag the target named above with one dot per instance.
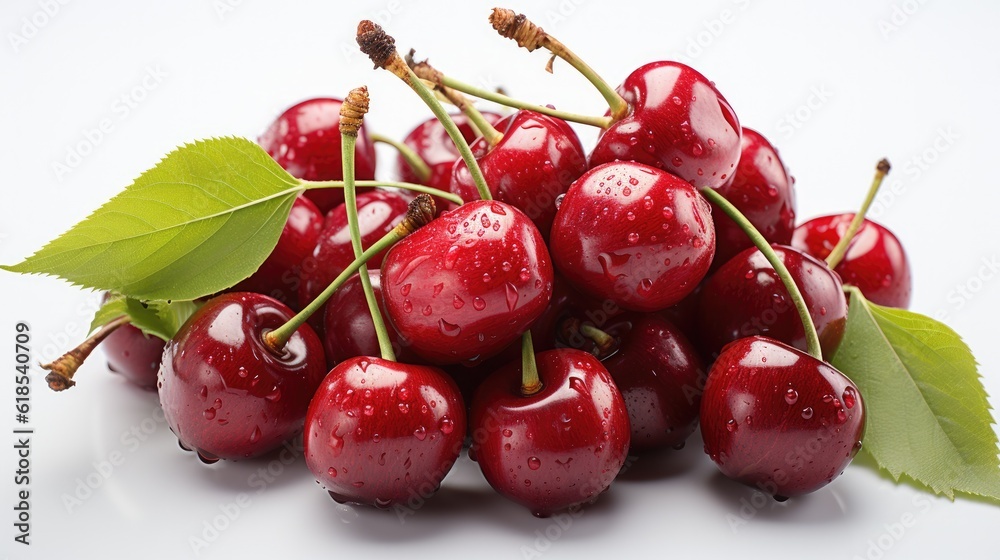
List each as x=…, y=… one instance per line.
x=278, y=276
x=225, y=393
x=559, y=447
x=875, y=261
x=634, y=235
x=134, y=356
x=536, y=160
x=432, y=143
x=763, y=191
x=380, y=432
x=464, y=286
x=677, y=122
x=745, y=297
x=776, y=418
x=305, y=140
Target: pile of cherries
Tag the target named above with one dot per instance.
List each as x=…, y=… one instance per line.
x=555, y=327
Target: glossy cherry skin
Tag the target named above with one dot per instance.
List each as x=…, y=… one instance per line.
x=378, y=212
x=348, y=330
x=432, y=143
x=305, y=140
x=745, y=297
x=775, y=418
x=536, y=160
x=660, y=377
x=875, y=261
x=380, y=432
x=555, y=449
x=677, y=122
x=279, y=275
x=763, y=191
x=134, y=356
x=634, y=235
x=466, y=285
x=226, y=394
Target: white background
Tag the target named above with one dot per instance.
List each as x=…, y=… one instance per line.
x=835, y=85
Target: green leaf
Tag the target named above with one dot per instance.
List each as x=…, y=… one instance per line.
x=928, y=418
x=198, y=222
x=155, y=318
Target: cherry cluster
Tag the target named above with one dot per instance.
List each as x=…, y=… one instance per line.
x=562, y=317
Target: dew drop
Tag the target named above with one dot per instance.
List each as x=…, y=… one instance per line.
x=626, y=191
x=577, y=384
x=677, y=162
x=332, y=472
x=633, y=237
x=807, y=412
x=407, y=306
x=511, y=295
x=507, y=433
x=534, y=463
x=446, y=425
x=731, y=425
x=449, y=329
x=450, y=257
x=645, y=287
x=405, y=290
x=630, y=216
x=668, y=213
x=369, y=410
x=479, y=303
x=850, y=397
x=791, y=396
x=210, y=414
x=255, y=435
x=204, y=391
x=486, y=277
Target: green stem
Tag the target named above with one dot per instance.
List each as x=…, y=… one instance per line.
x=451, y=197
x=618, y=105
x=838, y=252
x=348, y=142
x=530, y=382
x=499, y=98
x=485, y=129
x=410, y=156
x=604, y=341
x=812, y=337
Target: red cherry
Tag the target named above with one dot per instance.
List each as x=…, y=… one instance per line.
x=278, y=276
x=432, y=143
x=763, y=191
x=536, y=160
x=776, y=418
x=380, y=432
x=745, y=297
x=677, y=122
x=559, y=447
x=634, y=235
x=305, y=140
x=224, y=392
x=875, y=261
x=134, y=356
x=467, y=284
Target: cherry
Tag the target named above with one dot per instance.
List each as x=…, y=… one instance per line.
x=431, y=142
x=305, y=140
x=378, y=212
x=379, y=432
x=745, y=297
x=278, y=276
x=763, y=191
x=778, y=419
x=535, y=160
x=225, y=393
x=634, y=235
x=467, y=284
x=874, y=262
x=558, y=447
x=134, y=355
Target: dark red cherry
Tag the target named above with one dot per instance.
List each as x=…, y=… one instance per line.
x=305, y=140
x=776, y=418
x=224, y=392
x=464, y=286
x=348, y=330
x=432, y=143
x=677, y=122
x=875, y=260
x=763, y=191
x=634, y=235
x=380, y=432
x=559, y=447
x=134, y=355
x=378, y=212
x=745, y=297
x=279, y=275
x=536, y=160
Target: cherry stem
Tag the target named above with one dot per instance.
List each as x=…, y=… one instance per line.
x=839, y=250
x=357, y=100
x=62, y=370
x=450, y=197
x=420, y=211
x=604, y=341
x=812, y=337
x=530, y=382
x=530, y=36
x=425, y=71
x=409, y=155
x=381, y=49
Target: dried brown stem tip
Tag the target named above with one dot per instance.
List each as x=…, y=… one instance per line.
x=62, y=370
x=376, y=43
x=423, y=69
x=883, y=166
x=420, y=211
x=353, y=111
x=518, y=27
